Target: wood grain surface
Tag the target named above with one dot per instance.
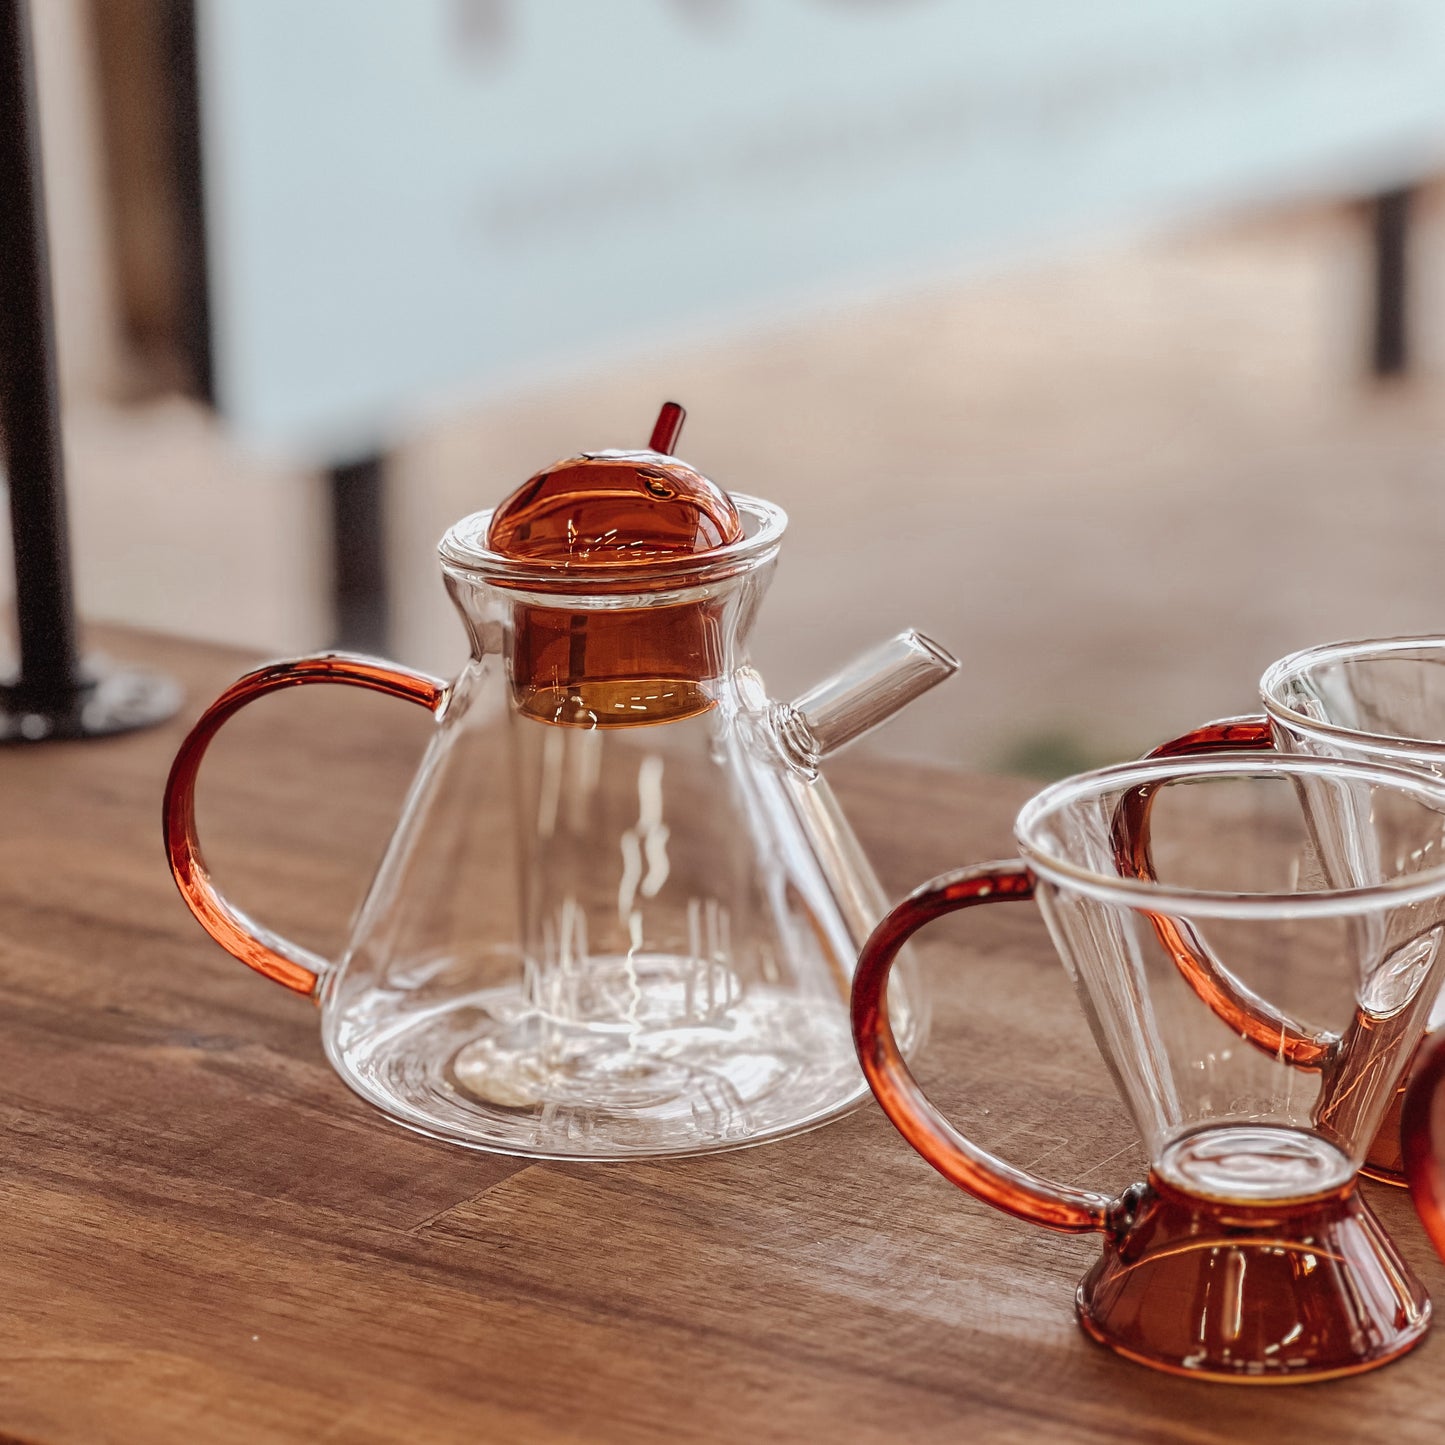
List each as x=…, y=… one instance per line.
x=207, y=1237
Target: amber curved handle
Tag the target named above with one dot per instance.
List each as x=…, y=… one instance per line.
x=1422, y=1138
x=1055, y=1206
x=1243, y=1010
x=287, y=963
x=1228, y=735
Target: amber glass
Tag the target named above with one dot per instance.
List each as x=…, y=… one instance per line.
x=1382, y=701
x=1305, y=1289
x=278, y=959
x=1246, y=1254
x=1422, y=1129
x=621, y=908
x=614, y=509
x=616, y=669
x=612, y=513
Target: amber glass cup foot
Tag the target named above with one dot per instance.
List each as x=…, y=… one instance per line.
x=1278, y=1293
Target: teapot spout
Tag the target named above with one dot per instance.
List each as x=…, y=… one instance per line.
x=868, y=691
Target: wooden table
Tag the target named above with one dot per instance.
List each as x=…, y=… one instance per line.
x=208, y=1237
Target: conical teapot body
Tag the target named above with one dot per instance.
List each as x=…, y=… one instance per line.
x=620, y=914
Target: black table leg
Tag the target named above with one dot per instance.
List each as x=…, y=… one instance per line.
x=1390, y=349
x=358, y=548
x=54, y=695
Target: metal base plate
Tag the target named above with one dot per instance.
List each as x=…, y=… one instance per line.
x=113, y=699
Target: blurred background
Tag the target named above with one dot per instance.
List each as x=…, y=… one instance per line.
x=1104, y=343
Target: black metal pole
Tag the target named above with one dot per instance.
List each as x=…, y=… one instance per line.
x=181, y=41
x=29, y=394
x=1390, y=344
x=358, y=551
x=53, y=696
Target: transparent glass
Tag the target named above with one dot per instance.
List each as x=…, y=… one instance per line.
x=1375, y=701
x=1310, y=892
x=1380, y=701
x=620, y=912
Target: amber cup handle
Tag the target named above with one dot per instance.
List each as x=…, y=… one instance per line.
x=1228, y=735
x=1055, y=1206
x=1242, y=1010
x=285, y=962
x=1422, y=1142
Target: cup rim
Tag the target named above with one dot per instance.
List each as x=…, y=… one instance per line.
x=464, y=552
x=1136, y=893
x=1277, y=674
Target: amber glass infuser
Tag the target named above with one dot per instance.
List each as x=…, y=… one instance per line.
x=1378, y=701
x=621, y=909
x=1247, y=1254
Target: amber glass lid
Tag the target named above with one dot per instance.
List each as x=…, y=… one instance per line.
x=616, y=508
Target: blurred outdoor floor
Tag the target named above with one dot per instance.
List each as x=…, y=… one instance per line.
x=1116, y=485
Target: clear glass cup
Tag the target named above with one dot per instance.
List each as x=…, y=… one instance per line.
x=1247, y=1254
x=621, y=909
x=1382, y=701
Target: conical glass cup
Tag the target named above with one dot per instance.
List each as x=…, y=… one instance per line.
x=1247, y=1254
x=1380, y=700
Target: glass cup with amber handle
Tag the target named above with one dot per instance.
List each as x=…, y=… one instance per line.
x=1376, y=701
x=1247, y=1254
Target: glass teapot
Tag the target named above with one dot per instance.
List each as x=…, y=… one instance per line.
x=620, y=913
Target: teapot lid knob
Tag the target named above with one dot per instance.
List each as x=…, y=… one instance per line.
x=617, y=507
x=666, y=428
